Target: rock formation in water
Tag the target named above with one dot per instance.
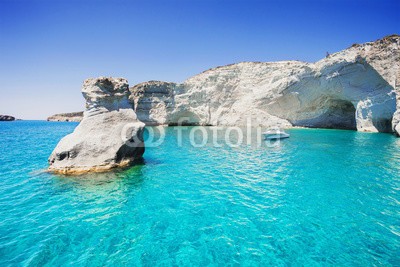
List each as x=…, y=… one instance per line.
x=352, y=89
x=6, y=118
x=72, y=116
x=109, y=134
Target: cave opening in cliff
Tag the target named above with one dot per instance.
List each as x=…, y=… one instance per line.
x=184, y=123
x=341, y=114
x=383, y=125
x=338, y=114
x=184, y=118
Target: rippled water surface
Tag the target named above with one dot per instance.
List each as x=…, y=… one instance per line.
x=323, y=197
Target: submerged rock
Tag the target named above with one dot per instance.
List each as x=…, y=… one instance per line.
x=72, y=116
x=109, y=134
x=6, y=118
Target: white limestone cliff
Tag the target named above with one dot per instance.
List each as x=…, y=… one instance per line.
x=356, y=88
x=109, y=135
x=153, y=101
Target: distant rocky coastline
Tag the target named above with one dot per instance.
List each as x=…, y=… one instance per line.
x=6, y=118
x=72, y=116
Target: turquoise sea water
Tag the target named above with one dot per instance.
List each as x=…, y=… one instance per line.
x=323, y=197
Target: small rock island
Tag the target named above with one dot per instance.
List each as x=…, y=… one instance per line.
x=109, y=134
x=6, y=118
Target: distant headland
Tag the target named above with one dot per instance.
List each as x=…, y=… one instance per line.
x=72, y=116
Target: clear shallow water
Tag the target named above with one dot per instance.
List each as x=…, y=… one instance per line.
x=324, y=197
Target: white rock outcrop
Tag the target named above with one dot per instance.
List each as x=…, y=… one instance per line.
x=356, y=88
x=109, y=135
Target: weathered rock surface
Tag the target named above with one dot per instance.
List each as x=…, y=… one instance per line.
x=109, y=134
x=153, y=101
x=356, y=88
x=72, y=116
x=6, y=118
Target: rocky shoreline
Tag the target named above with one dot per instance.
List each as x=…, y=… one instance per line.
x=357, y=88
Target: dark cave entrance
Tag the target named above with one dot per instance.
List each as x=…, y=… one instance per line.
x=383, y=125
x=184, y=118
x=339, y=114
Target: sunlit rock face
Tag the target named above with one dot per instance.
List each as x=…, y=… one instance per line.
x=338, y=93
x=384, y=57
x=352, y=89
x=153, y=101
x=109, y=134
x=106, y=94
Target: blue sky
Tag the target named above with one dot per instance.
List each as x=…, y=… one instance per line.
x=47, y=48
